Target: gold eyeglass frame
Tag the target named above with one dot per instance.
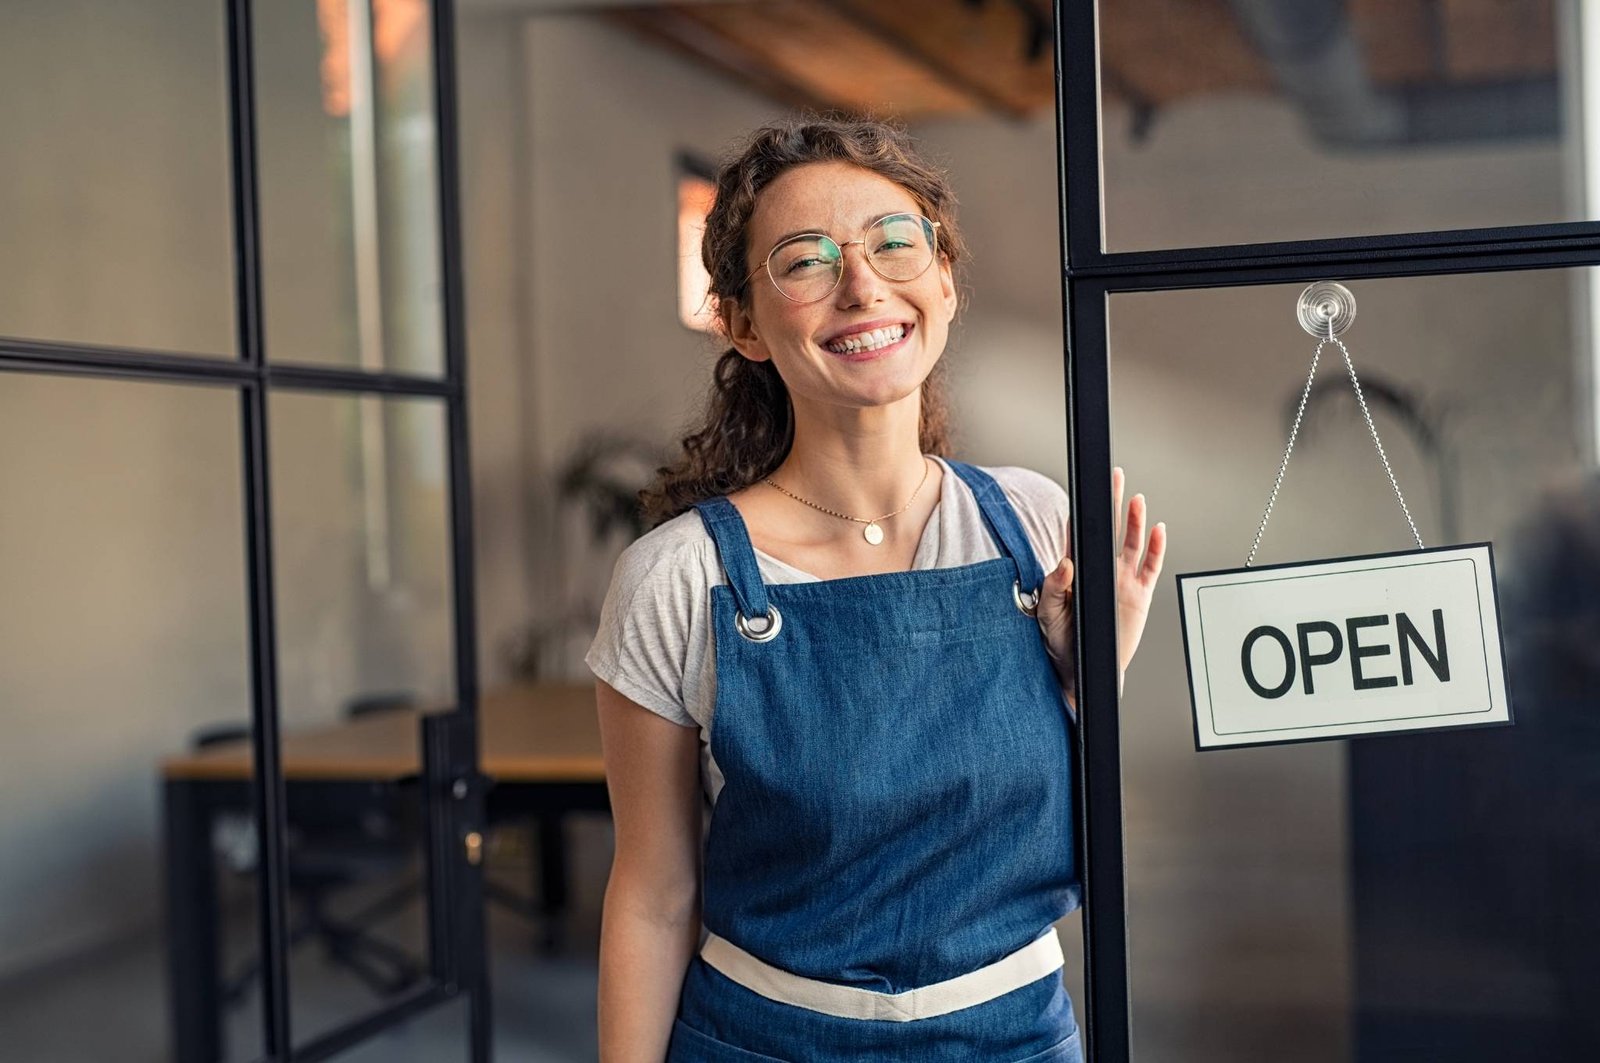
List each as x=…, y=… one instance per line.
x=862, y=240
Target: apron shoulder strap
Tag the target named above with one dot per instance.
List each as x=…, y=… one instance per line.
x=1003, y=524
x=738, y=557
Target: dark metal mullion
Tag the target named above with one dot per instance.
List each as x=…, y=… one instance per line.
x=316, y=378
x=271, y=813
x=1078, y=99
x=471, y=953
x=1325, y=254
x=17, y=353
x=1105, y=923
x=113, y=363
x=1366, y=268
x=1100, y=842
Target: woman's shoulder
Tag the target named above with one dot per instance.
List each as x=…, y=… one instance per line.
x=675, y=551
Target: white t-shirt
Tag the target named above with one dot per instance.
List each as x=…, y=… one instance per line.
x=655, y=641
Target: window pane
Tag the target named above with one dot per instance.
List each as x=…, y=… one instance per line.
x=114, y=195
x=361, y=541
x=1425, y=896
x=124, y=652
x=1257, y=121
x=349, y=213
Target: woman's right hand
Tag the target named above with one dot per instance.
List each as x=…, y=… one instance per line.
x=1139, y=564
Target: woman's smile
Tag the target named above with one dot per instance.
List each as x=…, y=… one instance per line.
x=868, y=342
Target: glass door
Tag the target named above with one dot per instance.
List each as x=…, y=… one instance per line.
x=233, y=410
x=1398, y=896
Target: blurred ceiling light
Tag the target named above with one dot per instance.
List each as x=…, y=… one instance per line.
x=397, y=27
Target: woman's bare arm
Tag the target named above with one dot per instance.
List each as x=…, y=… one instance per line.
x=650, y=925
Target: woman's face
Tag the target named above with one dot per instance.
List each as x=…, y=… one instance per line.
x=806, y=341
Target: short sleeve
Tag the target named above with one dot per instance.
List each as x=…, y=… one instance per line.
x=641, y=646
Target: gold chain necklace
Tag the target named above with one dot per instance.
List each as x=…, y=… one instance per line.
x=872, y=532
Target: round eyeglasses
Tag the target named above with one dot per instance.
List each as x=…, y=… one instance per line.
x=809, y=266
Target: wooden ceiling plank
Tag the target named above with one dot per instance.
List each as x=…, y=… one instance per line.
x=1489, y=40
x=1168, y=50
x=911, y=50
x=816, y=46
x=664, y=25
x=1396, y=39
x=976, y=47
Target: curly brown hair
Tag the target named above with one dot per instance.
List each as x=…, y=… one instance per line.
x=748, y=424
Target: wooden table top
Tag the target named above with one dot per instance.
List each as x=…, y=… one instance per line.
x=539, y=732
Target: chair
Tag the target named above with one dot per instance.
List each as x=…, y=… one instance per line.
x=331, y=851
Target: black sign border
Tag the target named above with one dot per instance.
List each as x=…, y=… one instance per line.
x=1194, y=708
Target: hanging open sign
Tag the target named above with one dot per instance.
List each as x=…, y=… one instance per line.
x=1355, y=646
x=1330, y=649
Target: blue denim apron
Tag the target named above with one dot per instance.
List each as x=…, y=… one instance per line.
x=896, y=807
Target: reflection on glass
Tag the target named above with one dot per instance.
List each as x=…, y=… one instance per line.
x=114, y=195
x=124, y=655
x=1399, y=897
x=1266, y=120
x=348, y=191
x=361, y=542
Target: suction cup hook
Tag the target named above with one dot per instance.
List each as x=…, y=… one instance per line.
x=1326, y=307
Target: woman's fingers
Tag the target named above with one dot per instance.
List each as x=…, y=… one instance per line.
x=1155, y=555
x=1133, y=532
x=1062, y=577
x=1118, y=482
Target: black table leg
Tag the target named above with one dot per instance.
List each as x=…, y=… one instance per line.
x=552, y=864
x=193, y=964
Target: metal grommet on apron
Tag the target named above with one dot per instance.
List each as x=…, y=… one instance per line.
x=893, y=839
x=765, y=631
x=1028, y=603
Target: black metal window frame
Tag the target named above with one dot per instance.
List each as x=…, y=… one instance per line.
x=458, y=962
x=1091, y=275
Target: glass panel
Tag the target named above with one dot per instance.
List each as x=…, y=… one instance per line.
x=1426, y=896
x=114, y=196
x=1260, y=120
x=123, y=644
x=349, y=211
x=361, y=541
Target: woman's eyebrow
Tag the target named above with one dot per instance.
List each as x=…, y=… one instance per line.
x=820, y=230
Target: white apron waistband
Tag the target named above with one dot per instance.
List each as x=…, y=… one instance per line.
x=1029, y=963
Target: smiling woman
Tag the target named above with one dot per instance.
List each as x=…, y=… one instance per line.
x=871, y=626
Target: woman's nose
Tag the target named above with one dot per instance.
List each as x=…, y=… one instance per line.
x=860, y=284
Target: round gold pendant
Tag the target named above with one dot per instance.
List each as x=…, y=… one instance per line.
x=873, y=533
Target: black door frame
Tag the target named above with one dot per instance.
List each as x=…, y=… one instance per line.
x=1091, y=275
x=458, y=961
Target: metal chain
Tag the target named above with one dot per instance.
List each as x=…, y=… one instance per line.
x=1283, y=465
x=1294, y=433
x=927, y=467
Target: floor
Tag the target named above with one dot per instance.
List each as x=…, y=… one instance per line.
x=113, y=1006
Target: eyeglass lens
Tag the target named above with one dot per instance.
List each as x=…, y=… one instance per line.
x=806, y=268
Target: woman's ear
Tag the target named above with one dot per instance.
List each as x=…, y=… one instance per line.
x=741, y=330
x=947, y=288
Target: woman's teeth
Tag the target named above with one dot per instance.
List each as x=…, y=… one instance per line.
x=868, y=341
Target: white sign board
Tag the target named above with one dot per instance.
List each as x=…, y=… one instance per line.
x=1354, y=646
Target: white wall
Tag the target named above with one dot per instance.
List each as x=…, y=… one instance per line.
x=605, y=118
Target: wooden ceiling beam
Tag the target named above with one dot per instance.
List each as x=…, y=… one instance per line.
x=705, y=43
x=889, y=37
